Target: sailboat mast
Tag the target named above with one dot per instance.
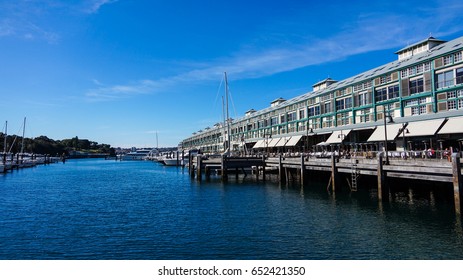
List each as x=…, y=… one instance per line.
x=6, y=134
x=24, y=130
x=224, y=125
x=227, y=117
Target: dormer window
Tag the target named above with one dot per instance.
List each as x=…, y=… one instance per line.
x=419, y=47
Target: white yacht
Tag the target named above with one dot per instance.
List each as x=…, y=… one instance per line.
x=137, y=155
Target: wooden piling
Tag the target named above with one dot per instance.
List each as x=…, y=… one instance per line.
x=334, y=172
x=281, y=175
x=383, y=190
x=183, y=159
x=191, y=165
x=223, y=167
x=457, y=183
x=302, y=170
x=198, y=167
x=263, y=168
x=287, y=174
x=207, y=172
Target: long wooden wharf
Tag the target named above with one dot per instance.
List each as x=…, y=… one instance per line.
x=447, y=172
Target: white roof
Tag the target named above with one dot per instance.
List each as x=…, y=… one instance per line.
x=336, y=137
x=392, y=131
x=453, y=125
x=282, y=141
x=293, y=141
x=259, y=144
x=273, y=142
x=423, y=128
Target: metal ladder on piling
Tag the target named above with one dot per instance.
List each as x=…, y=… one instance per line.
x=354, y=172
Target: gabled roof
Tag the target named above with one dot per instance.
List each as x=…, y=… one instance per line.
x=327, y=80
x=430, y=39
x=280, y=99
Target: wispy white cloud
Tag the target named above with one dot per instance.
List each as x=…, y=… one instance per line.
x=371, y=32
x=27, y=19
x=24, y=29
x=104, y=93
x=93, y=6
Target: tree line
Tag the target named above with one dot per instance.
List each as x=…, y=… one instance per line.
x=45, y=145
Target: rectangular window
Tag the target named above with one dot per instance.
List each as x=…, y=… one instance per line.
x=451, y=94
x=415, y=111
x=274, y=121
x=459, y=76
x=327, y=107
x=448, y=59
x=419, y=69
x=291, y=116
x=393, y=91
x=314, y=111
x=327, y=121
x=348, y=103
x=460, y=103
x=381, y=94
x=412, y=102
x=451, y=105
x=422, y=109
x=404, y=73
x=427, y=67
x=416, y=86
x=339, y=105
x=282, y=119
x=444, y=79
x=362, y=99
x=457, y=57
x=301, y=114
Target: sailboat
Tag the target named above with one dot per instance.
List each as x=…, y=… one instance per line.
x=226, y=125
x=3, y=163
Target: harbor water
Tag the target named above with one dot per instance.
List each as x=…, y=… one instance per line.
x=97, y=209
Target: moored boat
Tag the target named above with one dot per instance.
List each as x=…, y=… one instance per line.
x=142, y=154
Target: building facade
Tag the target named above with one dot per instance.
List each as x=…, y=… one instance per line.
x=420, y=95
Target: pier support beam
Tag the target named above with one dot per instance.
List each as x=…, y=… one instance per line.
x=223, y=166
x=383, y=189
x=198, y=167
x=457, y=183
x=334, y=173
x=302, y=170
x=281, y=174
x=191, y=168
x=207, y=172
x=263, y=168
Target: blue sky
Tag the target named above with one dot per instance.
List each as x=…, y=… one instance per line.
x=118, y=72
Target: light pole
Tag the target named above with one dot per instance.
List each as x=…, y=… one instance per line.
x=404, y=130
x=341, y=136
x=307, y=136
x=267, y=137
x=385, y=133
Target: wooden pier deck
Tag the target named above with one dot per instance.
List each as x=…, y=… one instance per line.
x=435, y=170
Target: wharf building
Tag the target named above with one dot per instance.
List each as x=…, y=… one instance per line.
x=414, y=103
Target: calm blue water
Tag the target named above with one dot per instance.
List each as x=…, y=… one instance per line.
x=97, y=209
